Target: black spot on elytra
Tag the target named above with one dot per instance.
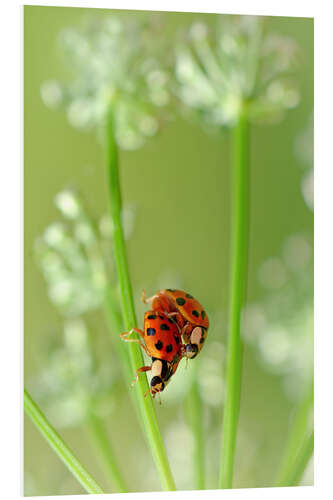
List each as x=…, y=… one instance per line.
x=176, y=339
x=164, y=326
x=203, y=314
x=189, y=296
x=195, y=313
x=161, y=317
x=180, y=301
x=169, y=348
x=159, y=345
x=151, y=331
x=151, y=316
x=170, y=320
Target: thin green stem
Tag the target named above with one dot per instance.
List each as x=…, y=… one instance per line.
x=299, y=429
x=237, y=288
x=193, y=408
x=100, y=437
x=145, y=404
x=296, y=471
x=58, y=445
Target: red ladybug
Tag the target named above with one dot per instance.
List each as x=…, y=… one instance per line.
x=189, y=314
x=162, y=342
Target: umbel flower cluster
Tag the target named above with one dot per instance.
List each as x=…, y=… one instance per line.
x=74, y=255
x=114, y=65
x=219, y=71
x=73, y=382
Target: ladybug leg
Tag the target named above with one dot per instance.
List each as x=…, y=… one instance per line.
x=174, y=315
x=140, y=332
x=140, y=370
x=185, y=336
x=145, y=300
x=137, y=330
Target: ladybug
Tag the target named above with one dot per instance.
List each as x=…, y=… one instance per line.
x=162, y=343
x=190, y=316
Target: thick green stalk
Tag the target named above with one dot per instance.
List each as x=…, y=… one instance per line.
x=193, y=407
x=299, y=429
x=58, y=445
x=237, y=287
x=145, y=404
x=103, y=445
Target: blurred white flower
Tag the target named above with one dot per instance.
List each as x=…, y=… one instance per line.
x=51, y=93
x=274, y=346
x=272, y=273
x=71, y=259
x=72, y=383
x=67, y=203
x=179, y=442
x=253, y=321
x=115, y=65
x=75, y=255
x=297, y=252
x=304, y=144
x=308, y=189
x=304, y=149
x=280, y=326
x=216, y=73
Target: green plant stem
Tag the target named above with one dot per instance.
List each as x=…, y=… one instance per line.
x=100, y=437
x=58, y=445
x=145, y=404
x=295, y=441
x=237, y=287
x=193, y=408
x=296, y=471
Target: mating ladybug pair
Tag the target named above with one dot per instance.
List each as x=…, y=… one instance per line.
x=174, y=328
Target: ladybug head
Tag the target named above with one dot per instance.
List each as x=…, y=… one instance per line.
x=156, y=385
x=191, y=350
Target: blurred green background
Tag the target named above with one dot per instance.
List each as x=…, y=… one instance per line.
x=177, y=186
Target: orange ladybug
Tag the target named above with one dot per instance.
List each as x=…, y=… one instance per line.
x=162, y=342
x=188, y=313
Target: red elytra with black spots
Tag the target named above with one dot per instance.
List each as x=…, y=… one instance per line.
x=190, y=312
x=162, y=337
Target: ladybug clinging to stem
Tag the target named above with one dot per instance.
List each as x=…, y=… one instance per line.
x=162, y=342
x=189, y=315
